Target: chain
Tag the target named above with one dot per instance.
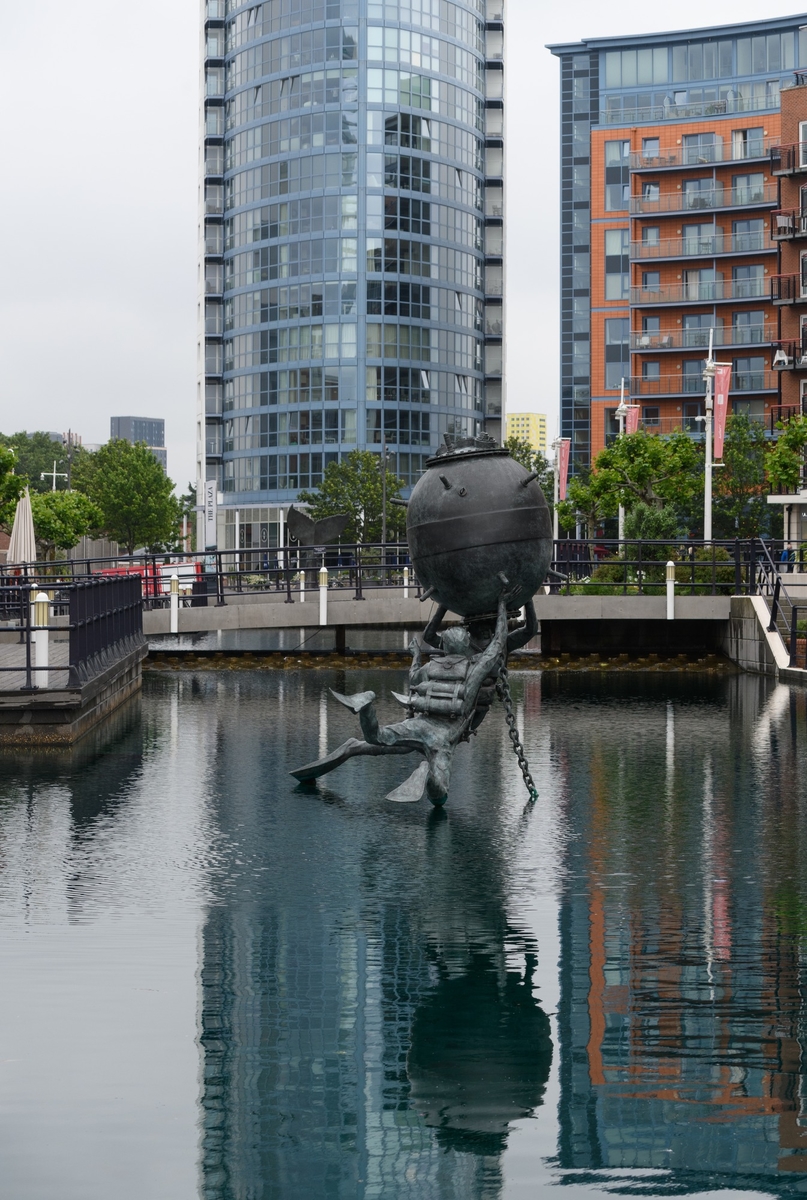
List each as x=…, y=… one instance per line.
x=503, y=692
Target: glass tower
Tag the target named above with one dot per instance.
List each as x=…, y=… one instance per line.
x=351, y=258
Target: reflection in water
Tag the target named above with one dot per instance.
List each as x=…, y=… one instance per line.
x=369, y=1022
x=682, y=925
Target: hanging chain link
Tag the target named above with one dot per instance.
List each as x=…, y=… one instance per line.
x=503, y=692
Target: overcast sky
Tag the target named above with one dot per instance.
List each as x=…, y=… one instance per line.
x=99, y=295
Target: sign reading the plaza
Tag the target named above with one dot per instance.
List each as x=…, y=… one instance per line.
x=210, y=513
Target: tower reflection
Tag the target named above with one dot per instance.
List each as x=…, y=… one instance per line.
x=369, y=1024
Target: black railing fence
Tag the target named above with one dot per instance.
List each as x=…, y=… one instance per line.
x=100, y=619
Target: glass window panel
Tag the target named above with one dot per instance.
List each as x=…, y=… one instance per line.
x=695, y=61
x=788, y=51
x=724, y=59
x=774, y=53
x=759, y=56
x=660, y=64
x=743, y=56
x=629, y=68
x=613, y=71
x=679, y=63
x=645, y=66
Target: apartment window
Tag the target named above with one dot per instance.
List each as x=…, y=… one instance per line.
x=692, y=375
x=701, y=193
x=651, y=235
x=617, y=351
x=617, y=264
x=651, y=370
x=696, y=329
x=705, y=284
x=804, y=273
x=803, y=143
x=748, y=374
x=748, y=189
x=748, y=235
x=702, y=148
x=651, y=190
x=747, y=327
x=748, y=143
x=693, y=416
x=699, y=239
x=651, y=281
x=617, y=175
x=651, y=415
x=748, y=281
x=651, y=332
x=650, y=147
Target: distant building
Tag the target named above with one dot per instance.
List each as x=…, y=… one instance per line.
x=150, y=430
x=529, y=426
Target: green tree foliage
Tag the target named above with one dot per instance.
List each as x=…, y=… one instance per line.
x=521, y=450
x=640, y=468
x=785, y=462
x=62, y=519
x=739, y=506
x=353, y=486
x=35, y=455
x=11, y=488
x=132, y=492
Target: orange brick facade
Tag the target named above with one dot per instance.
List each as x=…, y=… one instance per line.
x=789, y=230
x=702, y=254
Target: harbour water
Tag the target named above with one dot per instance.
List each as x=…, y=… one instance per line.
x=218, y=985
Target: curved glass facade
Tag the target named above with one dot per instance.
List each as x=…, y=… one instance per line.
x=348, y=183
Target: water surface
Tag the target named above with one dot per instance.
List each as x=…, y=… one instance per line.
x=217, y=985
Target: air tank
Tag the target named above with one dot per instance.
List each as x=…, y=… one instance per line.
x=474, y=515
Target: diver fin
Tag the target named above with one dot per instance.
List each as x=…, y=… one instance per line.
x=413, y=788
x=404, y=700
x=354, y=703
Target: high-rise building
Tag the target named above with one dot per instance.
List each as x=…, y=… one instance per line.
x=531, y=427
x=667, y=189
x=351, y=241
x=150, y=430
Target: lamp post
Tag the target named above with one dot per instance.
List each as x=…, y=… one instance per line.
x=622, y=412
x=556, y=447
x=708, y=374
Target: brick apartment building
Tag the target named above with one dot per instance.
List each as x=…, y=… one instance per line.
x=671, y=224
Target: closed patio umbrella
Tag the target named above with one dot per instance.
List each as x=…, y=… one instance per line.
x=22, y=546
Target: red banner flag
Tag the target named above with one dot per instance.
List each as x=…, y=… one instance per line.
x=564, y=446
x=632, y=419
x=722, y=384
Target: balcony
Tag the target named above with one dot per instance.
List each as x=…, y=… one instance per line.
x=698, y=156
x=703, y=247
x=788, y=223
x=718, y=291
x=789, y=160
x=788, y=289
x=704, y=201
x=694, y=385
x=698, y=339
x=791, y=355
x=654, y=114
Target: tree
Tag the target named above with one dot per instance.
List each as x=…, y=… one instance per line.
x=785, y=464
x=740, y=508
x=591, y=498
x=62, y=519
x=35, y=454
x=353, y=486
x=133, y=493
x=11, y=488
x=521, y=450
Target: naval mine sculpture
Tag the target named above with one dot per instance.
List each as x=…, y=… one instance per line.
x=480, y=539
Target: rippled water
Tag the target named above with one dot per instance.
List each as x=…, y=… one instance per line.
x=217, y=985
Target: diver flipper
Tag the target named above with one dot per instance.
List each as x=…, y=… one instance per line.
x=413, y=788
x=354, y=703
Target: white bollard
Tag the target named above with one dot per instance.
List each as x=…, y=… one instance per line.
x=323, y=595
x=302, y=587
x=406, y=583
x=174, y=626
x=41, y=636
x=670, y=590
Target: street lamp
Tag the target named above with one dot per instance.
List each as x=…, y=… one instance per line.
x=622, y=412
x=709, y=373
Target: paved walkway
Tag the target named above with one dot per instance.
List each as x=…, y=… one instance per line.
x=13, y=656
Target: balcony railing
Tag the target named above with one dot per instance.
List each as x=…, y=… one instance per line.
x=788, y=289
x=703, y=247
x=786, y=160
x=629, y=115
x=791, y=355
x=702, y=201
x=700, y=292
x=697, y=339
x=694, y=385
x=788, y=223
x=698, y=156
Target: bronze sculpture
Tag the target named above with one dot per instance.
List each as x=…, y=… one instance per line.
x=477, y=513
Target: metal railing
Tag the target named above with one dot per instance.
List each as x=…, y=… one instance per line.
x=687, y=385
x=630, y=114
x=788, y=223
x=747, y=196
x=696, y=339
x=703, y=247
x=702, y=291
x=104, y=622
x=697, y=156
x=788, y=289
x=786, y=159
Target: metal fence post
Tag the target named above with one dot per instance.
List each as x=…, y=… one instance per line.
x=794, y=636
x=738, y=568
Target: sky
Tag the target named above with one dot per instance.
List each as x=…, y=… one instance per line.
x=98, y=307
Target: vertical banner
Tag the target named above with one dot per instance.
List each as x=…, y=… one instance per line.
x=722, y=384
x=210, y=513
x=564, y=446
x=632, y=419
